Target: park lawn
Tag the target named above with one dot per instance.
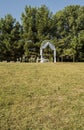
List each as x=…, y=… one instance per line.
x=41, y=96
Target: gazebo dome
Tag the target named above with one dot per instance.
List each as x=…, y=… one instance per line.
x=44, y=45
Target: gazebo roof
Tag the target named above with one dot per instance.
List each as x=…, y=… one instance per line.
x=44, y=45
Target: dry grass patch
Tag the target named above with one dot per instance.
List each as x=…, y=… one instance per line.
x=42, y=96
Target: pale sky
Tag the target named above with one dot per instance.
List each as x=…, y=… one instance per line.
x=16, y=7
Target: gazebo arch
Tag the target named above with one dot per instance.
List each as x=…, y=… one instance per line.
x=52, y=47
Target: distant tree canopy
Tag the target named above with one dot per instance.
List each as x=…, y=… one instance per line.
x=65, y=29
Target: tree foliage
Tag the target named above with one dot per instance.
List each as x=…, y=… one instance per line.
x=65, y=29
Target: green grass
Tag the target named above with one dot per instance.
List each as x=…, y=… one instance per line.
x=43, y=96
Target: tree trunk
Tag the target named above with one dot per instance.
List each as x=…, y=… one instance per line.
x=62, y=59
x=73, y=58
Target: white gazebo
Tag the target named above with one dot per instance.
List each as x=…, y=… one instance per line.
x=43, y=46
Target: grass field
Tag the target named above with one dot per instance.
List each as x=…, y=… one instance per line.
x=43, y=96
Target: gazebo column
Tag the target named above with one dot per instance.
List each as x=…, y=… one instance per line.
x=41, y=54
x=54, y=55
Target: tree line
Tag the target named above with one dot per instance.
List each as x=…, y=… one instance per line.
x=22, y=41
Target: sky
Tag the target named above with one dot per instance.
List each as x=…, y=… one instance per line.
x=16, y=7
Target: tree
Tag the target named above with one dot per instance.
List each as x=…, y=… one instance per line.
x=29, y=23
x=43, y=23
x=65, y=29
x=10, y=31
